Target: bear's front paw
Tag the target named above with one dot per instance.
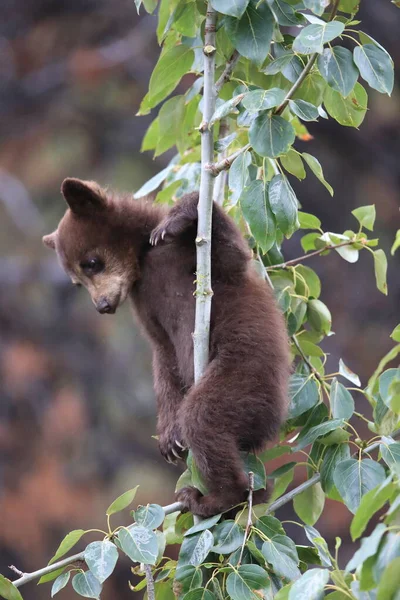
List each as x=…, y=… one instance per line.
x=158, y=234
x=172, y=447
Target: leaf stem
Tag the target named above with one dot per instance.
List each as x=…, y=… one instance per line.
x=294, y=261
x=279, y=110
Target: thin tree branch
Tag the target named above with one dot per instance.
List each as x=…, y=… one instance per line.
x=307, y=68
x=151, y=594
x=294, y=261
x=249, y=520
x=226, y=163
x=201, y=333
x=227, y=72
x=27, y=577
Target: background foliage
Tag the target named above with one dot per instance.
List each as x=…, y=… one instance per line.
x=253, y=110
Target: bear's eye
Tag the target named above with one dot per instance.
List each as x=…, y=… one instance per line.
x=92, y=266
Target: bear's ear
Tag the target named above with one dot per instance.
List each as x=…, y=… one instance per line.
x=50, y=240
x=83, y=197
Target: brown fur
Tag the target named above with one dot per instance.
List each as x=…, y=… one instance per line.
x=241, y=400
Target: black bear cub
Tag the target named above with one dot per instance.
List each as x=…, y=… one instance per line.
x=117, y=248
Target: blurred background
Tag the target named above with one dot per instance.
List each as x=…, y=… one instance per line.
x=77, y=409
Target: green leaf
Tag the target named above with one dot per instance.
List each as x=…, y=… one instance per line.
x=338, y=69
x=365, y=215
x=312, y=89
x=281, y=484
x=101, y=558
x=171, y=66
x=369, y=505
x=376, y=67
x=226, y=108
x=354, y=478
x=318, y=541
x=309, y=436
x=311, y=280
x=310, y=586
x=396, y=243
x=319, y=316
x=349, y=111
x=139, y=543
x=86, y=584
x=234, y=8
x=316, y=168
x=281, y=553
x=341, y=401
x=170, y=119
x=228, y=536
x=8, y=591
x=189, y=578
x=285, y=14
x=67, y=543
x=122, y=501
x=153, y=183
x=293, y=164
x=334, y=455
x=203, y=524
x=195, y=548
x=151, y=136
x=389, y=549
x=313, y=37
x=251, y=35
x=239, y=176
x=241, y=583
x=199, y=594
x=316, y=6
x=289, y=64
x=304, y=110
x=395, y=335
x=252, y=463
x=51, y=576
x=283, y=204
x=348, y=374
x=369, y=547
x=271, y=135
x=257, y=100
x=349, y=6
x=303, y=394
x=270, y=526
x=150, y=516
x=380, y=266
x=390, y=582
x=310, y=504
x=257, y=212
x=60, y=583
x=390, y=453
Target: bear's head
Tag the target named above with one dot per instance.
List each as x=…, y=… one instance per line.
x=93, y=243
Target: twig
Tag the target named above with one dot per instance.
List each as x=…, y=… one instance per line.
x=17, y=571
x=151, y=594
x=226, y=163
x=294, y=261
x=27, y=577
x=201, y=333
x=249, y=520
x=227, y=72
x=306, y=69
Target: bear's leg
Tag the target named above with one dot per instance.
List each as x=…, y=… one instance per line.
x=218, y=460
x=182, y=216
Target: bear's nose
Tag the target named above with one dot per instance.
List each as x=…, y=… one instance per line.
x=103, y=306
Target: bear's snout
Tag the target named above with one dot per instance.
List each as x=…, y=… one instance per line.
x=103, y=306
